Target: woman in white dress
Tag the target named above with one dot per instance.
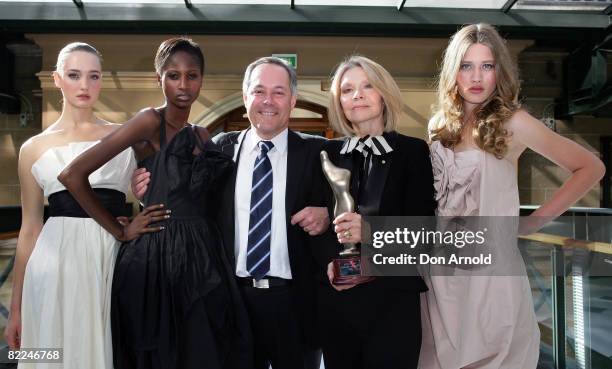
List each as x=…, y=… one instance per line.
x=63, y=270
x=477, y=134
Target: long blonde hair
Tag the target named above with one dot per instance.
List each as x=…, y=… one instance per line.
x=488, y=133
x=380, y=79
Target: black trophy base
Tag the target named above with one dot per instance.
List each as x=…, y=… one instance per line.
x=348, y=271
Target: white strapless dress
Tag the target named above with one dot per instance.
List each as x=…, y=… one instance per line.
x=67, y=284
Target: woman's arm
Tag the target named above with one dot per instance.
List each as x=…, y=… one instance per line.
x=32, y=205
x=585, y=168
x=75, y=176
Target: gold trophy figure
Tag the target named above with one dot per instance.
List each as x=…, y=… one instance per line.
x=347, y=268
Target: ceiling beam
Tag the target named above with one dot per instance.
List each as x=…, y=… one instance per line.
x=188, y=4
x=355, y=21
x=400, y=5
x=508, y=5
x=78, y=3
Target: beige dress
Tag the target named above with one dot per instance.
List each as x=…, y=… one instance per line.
x=484, y=321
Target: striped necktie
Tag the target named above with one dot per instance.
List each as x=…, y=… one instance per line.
x=260, y=220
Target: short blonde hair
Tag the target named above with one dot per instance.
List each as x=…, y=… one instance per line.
x=446, y=124
x=380, y=79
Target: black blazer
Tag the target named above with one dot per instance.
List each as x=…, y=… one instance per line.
x=303, y=188
x=399, y=184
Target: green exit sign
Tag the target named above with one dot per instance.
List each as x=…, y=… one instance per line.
x=289, y=58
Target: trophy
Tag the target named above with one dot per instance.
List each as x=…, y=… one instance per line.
x=347, y=267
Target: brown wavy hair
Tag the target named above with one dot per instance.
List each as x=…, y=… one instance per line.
x=447, y=122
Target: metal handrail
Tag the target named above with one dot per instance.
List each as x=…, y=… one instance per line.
x=575, y=209
x=594, y=246
x=8, y=235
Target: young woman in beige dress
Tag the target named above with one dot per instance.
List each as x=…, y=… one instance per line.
x=478, y=133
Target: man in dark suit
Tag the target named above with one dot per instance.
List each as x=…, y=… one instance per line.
x=280, y=299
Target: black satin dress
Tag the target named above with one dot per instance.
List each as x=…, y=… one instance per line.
x=175, y=303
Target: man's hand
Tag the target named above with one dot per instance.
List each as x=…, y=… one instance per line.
x=140, y=181
x=313, y=220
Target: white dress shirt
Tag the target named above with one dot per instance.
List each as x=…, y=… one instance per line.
x=279, y=255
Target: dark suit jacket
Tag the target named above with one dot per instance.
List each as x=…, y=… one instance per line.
x=401, y=186
x=303, y=188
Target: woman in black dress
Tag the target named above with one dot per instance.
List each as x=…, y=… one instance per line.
x=375, y=324
x=175, y=303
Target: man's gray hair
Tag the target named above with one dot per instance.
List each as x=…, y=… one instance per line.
x=270, y=60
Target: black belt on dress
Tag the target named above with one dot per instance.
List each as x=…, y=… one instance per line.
x=265, y=282
x=62, y=204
